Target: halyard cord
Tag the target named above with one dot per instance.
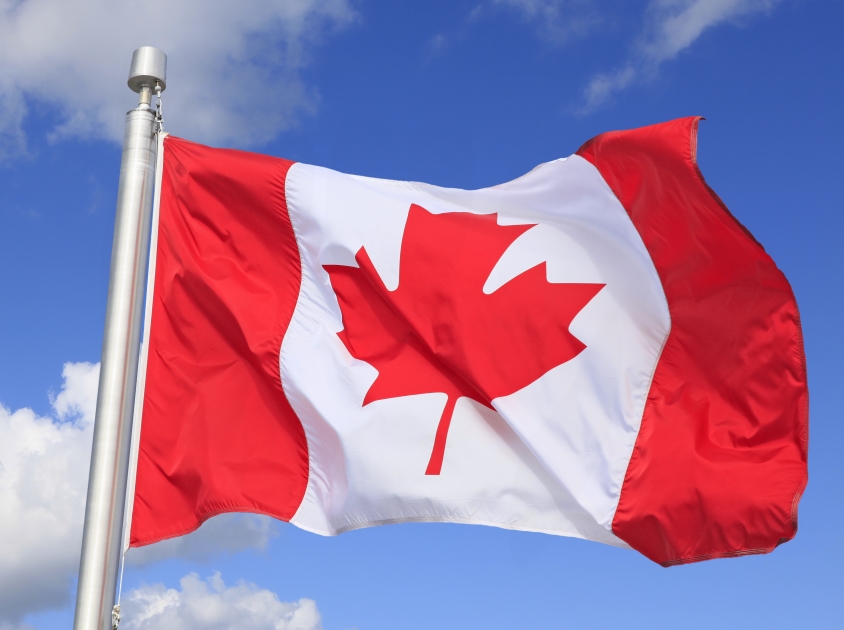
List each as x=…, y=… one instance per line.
x=115, y=612
x=159, y=113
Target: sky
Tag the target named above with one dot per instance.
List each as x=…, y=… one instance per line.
x=460, y=93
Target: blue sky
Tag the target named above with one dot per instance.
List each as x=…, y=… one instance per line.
x=465, y=94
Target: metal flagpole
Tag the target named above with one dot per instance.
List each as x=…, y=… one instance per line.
x=102, y=541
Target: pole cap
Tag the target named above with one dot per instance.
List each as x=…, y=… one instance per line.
x=149, y=65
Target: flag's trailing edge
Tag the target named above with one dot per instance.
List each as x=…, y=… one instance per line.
x=720, y=462
x=597, y=349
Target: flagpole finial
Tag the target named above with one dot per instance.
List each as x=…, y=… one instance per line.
x=148, y=72
x=103, y=534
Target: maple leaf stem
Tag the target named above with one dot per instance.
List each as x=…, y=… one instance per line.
x=435, y=464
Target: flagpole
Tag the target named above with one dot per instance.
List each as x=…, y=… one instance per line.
x=102, y=538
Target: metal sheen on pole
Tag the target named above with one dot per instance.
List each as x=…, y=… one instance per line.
x=102, y=538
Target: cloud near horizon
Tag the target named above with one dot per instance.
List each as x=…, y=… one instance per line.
x=233, y=68
x=44, y=463
x=211, y=605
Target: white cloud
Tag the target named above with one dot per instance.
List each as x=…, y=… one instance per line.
x=43, y=476
x=676, y=24
x=233, y=67
x=602, y=86
x=211, y=605
x=43, y=481
x=672, y=26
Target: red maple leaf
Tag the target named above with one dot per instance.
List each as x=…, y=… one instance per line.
x=439, y=332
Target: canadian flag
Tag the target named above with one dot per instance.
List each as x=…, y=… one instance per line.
x=596, y=349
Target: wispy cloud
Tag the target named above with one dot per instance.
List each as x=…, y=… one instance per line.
x=556, y=20
x=234, y=71
x=442, y=41
x=438, y=43
x=211, y=605
x=671, y=27
x=227, y=533
x=12, y=114
x=44, y=464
